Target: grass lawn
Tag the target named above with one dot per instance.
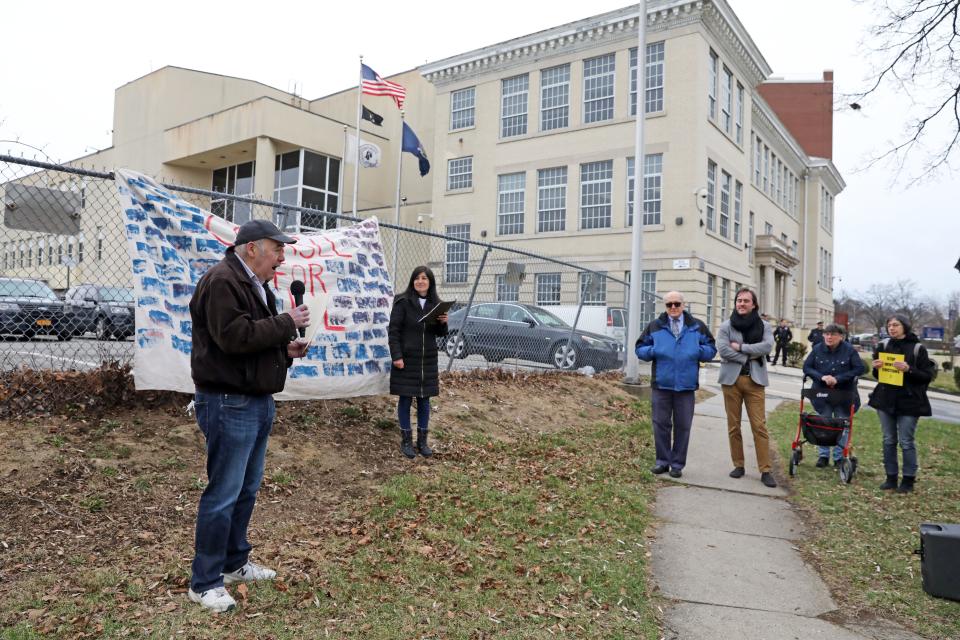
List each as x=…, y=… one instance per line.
x=534, y=536
x=861, y=538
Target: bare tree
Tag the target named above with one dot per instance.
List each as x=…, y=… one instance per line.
x=878, y=304
x=917, y=43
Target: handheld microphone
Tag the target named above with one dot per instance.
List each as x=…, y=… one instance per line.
x=297, y=289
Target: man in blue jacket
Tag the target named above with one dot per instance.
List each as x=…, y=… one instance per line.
x=676, y=343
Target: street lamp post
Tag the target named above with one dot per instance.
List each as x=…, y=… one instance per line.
x=631, y=365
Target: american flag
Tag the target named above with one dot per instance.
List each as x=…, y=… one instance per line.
x=373, y=85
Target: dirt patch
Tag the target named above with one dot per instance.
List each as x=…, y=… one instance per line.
x=112, y=497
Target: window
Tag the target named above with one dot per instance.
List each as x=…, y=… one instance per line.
x=793, y=248
x=757, y=162
x=99, y=244
x=737, y=210
x=726, y=98
x=598, y=88
x=80, y=248
x=652, y=186
x=462, y=108
x=460, y=173
x=458, y=253
x=725, y=180
x=712, y=85
x=303, y=178
x=776, y=186
x=593, y=288
x=783, y=240
x=40, y=245
x=711, y=286
x=751, y=237
x=235, y=180
x=648, y=297
x=767, y=229
x=59, y=250
x=513, y=106
x=69, y=249
x=548, y=288
x=507, y=292
x=551, y=199
x=738, y=132
x=796, y=192
x=510, y=196
x=653, y=100
x=724, y=295
x=596, y=184
x=826, y=210
x=711, y=195
x=766, y=169
x=555, y=98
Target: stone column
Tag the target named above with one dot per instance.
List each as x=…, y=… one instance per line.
x=263, y=174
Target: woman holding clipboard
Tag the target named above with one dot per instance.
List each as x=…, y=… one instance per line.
x=415, y=325
x=904, y=369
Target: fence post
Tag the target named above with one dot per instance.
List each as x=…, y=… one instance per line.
x=466, y=313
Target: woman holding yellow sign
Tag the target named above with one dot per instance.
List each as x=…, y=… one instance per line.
x=904, y=369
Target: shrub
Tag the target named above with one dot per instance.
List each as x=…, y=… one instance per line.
x=795, y=353
x=956, y=376
x=947, y=365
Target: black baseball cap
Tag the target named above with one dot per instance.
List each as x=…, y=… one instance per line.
x=254, y=230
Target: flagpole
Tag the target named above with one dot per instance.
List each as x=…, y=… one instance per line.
x=396, y=216
x=343, y=167
x=356, y=163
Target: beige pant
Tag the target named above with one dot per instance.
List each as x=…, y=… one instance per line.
x=745, y=390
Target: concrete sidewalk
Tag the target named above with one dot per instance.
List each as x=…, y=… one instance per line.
x=725, y=553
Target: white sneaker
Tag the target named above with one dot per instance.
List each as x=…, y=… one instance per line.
x=216, y=599
x=249, y=572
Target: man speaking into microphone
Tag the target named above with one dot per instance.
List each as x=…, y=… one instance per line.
x=241, y=352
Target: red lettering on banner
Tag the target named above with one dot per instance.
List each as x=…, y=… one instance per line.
x=276, y=278
x=331, y=327
x=316, y=272
x=334, y=248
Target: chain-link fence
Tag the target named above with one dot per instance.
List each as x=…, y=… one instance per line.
x=67, y=302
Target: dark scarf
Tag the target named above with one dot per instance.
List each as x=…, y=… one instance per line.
x=750, y=325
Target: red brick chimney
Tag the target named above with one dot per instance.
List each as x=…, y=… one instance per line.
x=806, y=109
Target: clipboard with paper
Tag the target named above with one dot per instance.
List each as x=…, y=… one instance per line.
x=438, y=310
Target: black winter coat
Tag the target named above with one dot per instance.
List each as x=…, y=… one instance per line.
x=416, y=343
x=911, y=398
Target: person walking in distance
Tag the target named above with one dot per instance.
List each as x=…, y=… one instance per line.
x=744, y=341
x=816, y=335
x=676, y=343
x=241, y=352
x=782, y=337
x=413, y=349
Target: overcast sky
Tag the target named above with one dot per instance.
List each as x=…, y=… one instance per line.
x=63, y=61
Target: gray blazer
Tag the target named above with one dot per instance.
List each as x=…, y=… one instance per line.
x=731, y=361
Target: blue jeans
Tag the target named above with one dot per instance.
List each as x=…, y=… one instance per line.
x=899, y=429
x=236, y=428
x=835, y=411
x=423, y=413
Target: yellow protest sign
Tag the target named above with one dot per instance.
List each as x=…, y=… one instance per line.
x=889, y=374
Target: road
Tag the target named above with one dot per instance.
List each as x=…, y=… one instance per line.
x=49, y=353
x=787, y=387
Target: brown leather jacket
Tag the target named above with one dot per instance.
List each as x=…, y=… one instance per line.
x=239, y=344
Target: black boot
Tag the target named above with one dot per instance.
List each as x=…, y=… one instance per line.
x=891, y=483
x=422, y=445
x=406, y=444
x=906, y=485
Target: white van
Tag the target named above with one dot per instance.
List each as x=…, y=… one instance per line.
x=608, y=321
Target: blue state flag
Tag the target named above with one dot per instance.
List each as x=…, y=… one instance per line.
x=411, y=144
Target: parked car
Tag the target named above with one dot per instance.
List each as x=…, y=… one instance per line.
x=105, y=311
x=498, y=330
x=608, y=321
x=30, y=307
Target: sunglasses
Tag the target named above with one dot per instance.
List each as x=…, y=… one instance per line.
x=674, y=304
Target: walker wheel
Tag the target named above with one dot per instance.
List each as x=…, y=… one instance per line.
x=794, y=461
x=847, y=469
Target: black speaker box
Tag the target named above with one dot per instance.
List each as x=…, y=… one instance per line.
x=940, y=559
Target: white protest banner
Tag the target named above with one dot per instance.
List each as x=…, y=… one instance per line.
x=172, y=243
